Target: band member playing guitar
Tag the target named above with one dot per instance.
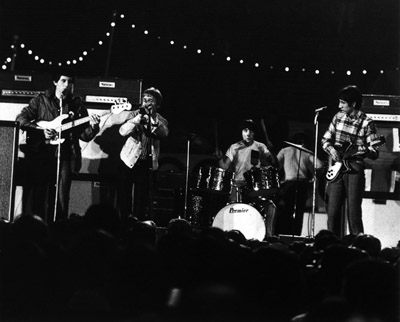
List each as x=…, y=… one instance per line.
x=46, y=160
x=350, y=130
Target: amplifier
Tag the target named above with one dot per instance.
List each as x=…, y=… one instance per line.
x=108, y=90
x=9, y=132
x=382, y=107
x=24, y=84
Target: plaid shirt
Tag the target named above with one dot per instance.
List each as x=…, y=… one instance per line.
x=356, y=128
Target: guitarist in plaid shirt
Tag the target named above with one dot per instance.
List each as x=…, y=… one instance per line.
x=353, y=131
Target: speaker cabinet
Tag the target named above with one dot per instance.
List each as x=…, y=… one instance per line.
x=85, y=193
x=8, y=155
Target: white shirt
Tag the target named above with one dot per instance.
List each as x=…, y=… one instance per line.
x=240, y=155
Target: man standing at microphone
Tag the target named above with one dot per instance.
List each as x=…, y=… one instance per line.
x=350, y=128
x=139, y=156
x=39, y=120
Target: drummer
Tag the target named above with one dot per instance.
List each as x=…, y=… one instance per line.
x=243, y=155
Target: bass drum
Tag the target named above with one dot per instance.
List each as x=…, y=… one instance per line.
x=242, y=217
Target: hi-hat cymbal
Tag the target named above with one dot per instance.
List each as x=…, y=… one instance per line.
x=300, y=147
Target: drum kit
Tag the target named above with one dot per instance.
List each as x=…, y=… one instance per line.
x=209, y=205
x=207, y=202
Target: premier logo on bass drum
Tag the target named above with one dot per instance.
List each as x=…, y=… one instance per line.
x=234, y=211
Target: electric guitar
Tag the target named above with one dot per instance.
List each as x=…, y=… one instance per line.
x=348, y=150
x=57, y=124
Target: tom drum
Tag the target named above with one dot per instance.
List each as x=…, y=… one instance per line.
x=261, y=182
x=213, y=179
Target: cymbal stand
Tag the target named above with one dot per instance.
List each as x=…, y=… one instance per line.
x=58, y=163
x=314, y=175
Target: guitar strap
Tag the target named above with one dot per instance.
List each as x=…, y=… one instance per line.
x=358, y=131
x=354, y=165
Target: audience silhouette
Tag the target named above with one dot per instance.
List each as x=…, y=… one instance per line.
x=94, y=267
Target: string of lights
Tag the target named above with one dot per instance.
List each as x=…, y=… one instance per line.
x=22, y=47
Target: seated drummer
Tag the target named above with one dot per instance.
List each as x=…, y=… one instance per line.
x=243, y=155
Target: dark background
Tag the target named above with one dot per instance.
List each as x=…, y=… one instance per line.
x=204, y=93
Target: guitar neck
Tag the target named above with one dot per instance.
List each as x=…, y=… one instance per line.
x=74, y=123
x=78, y=122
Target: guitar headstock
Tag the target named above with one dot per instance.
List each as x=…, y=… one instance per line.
x=121, y=105
x=378, y=142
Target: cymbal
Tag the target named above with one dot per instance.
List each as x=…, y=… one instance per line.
x=194, y=138
x=299, y=147
x=197, y=142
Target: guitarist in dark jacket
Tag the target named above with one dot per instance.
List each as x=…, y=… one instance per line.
x=41, y=120
x=349, y=139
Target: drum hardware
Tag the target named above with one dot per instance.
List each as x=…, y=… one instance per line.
x=238, y=193
x=299, y=147
x=191, y=138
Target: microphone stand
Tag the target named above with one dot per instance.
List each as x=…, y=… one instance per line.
x=295, y=195
x=149, y=158
x=58, y=163
x=186, y=179
x=314, y=174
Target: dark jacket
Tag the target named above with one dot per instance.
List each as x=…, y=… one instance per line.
x=45, y=107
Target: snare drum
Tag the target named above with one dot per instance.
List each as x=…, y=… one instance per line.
x=214, y=179
x=261, y=182
x=242, y=217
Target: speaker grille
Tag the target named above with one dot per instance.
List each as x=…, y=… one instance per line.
x=8, y=154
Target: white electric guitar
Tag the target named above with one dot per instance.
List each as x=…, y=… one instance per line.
x=56, y=124
x=348, y=150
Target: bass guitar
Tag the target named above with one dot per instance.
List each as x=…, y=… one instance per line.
x=348, y=150
x=56, y=124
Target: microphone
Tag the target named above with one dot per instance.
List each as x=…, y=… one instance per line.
x=143, y=109
x=321, y=108
x=64, y=93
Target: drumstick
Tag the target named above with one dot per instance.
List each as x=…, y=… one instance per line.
x=269, y=144
x=215, y=127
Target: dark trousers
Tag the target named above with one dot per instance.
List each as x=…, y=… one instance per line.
x=40, y=187
x=291, y=205
x=134, y=190
x=346, y=191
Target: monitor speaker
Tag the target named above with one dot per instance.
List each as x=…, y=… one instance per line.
x=9, y=131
